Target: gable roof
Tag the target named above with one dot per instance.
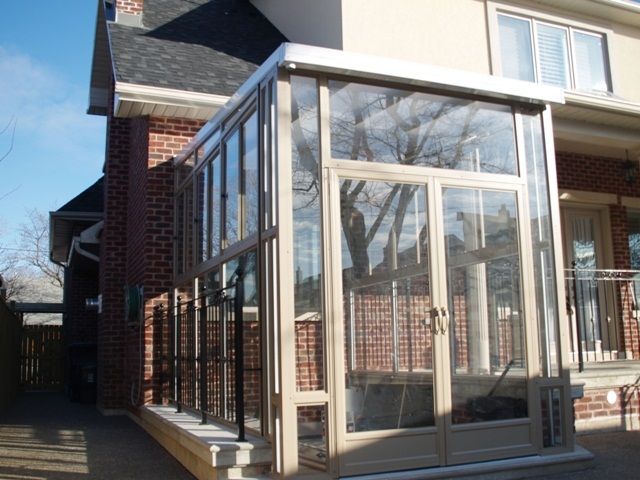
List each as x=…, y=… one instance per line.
x=188, y=56
x=90, y=200
x=206, y=46
x=79, y=213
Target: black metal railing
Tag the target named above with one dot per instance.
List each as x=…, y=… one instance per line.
x=207, y=355
x=601, y=305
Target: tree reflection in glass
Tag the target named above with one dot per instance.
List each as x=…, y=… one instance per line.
x=381, y=124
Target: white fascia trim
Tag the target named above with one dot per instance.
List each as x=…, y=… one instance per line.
x=129, y=92
x=614, y=105
x=623, y=4
x=411, y=73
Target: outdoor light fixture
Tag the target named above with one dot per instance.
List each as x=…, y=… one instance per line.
x=629, y=170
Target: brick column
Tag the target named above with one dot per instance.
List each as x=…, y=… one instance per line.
x=113, y=254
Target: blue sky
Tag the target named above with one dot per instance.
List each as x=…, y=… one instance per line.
x=45, y=64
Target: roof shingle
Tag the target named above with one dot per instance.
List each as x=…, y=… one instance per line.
x=205, y=46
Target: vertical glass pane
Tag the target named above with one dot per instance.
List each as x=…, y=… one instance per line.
x=551, y=412
x=209, y=145
x=252, y=346
x=516, y=52
x=386, y=296
x=307, y=244
x=542, y=243
x=252, y=343
x=312, y=440
x=232, y=188
x=216, y=202
x=202, y=215
x=587, y=292
x=590, y=63
x=268, y=159
x=179, y=233
x=487, y=334
x=553, y=55
x=633, y=219
x=188, y=227
x=381, y=124
x=250, y=187
x=185, y=168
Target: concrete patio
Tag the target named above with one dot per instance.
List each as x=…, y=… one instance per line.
x=44, y=436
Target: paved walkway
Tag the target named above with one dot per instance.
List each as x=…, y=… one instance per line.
x=617, y=456
x=44, y=436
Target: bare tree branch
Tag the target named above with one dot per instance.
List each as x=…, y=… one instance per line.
x=11, y=125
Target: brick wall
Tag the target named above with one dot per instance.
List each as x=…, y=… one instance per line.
x=153, y=144
x=80, y=324
x=599, y=174
x=113, y=263
x=133, y=7
x=594, y=412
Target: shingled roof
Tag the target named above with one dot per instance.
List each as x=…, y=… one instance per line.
x=204, y=46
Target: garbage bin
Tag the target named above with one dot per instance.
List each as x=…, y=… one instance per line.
x=82, y=372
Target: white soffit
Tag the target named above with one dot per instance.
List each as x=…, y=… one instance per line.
x=600, y=110
x=132, y=100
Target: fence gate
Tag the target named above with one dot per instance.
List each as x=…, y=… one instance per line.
x=42, y=357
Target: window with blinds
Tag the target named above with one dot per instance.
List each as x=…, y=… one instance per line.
x=556, y=55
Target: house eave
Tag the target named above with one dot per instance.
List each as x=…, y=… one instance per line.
x=131, y=100
x=621, y=11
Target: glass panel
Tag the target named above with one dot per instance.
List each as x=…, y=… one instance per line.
x=179, y=234
x=202, y=215
x=216, y=202
x=587, y=294
x=590, y=63
x=307, y=243
x=188, y=227
x=268, y=168
x=516, y=52
x=312, y=440
x=551, y=412
x=487, y=334
x=543, y=264
x=232, y=188
x=185, y=169
x=251, y=333
x=208, y=146
x=553, y=54
x=388, y=348
x=381, y=124
x=250, y=187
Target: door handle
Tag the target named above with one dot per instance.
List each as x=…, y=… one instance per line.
x=445, y=319
x=437, y=320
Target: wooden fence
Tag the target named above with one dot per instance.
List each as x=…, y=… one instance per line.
x=10, y=326
x=42, y=357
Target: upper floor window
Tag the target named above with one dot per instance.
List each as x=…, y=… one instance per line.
x=552, y=54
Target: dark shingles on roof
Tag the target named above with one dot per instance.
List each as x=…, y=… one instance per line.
x=206, y=46
x=90, y=200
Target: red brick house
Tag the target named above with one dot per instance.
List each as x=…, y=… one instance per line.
x=510, y=248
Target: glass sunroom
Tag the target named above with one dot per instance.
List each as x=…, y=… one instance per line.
x=390, y=232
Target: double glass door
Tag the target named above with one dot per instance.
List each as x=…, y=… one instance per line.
x=431, y=364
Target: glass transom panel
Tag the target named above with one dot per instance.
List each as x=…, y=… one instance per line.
x=388, y=125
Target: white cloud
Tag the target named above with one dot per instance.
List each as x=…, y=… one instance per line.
x=50, y=109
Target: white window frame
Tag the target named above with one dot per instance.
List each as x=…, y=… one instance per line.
x=534, y=19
